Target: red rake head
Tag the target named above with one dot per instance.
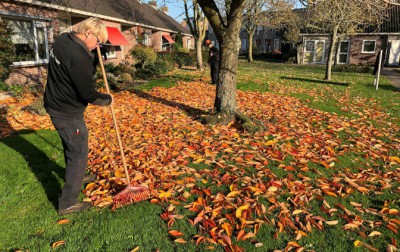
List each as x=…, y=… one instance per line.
x=131, y=194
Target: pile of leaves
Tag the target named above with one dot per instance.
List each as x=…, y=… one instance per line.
x=228, y=183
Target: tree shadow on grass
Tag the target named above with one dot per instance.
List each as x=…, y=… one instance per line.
x=315, y=81
x=194, y=113
x=46, y=170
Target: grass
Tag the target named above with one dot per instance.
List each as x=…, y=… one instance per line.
x=32, y=169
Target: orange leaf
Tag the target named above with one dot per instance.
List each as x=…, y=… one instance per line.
x=293, y=244
x=63, y=221
x=57, y=244
x=175, y=233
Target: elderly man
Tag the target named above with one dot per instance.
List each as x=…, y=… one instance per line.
x=69, y=89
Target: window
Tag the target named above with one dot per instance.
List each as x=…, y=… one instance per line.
x=310, y=45
x=30, y=41
x=368, y=46
x=111, y=52
x=189, y=43
x=344, y=47
x=146, y=39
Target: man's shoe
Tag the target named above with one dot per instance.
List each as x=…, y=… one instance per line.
x=78, y=207
x=89, y=178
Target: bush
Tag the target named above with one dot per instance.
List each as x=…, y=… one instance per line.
x=161, y=66
x=126, y=78
x=182, y=57
x=145, y=74
x=365, y=68
x=7, y=55
x=18, y=91
x=144, y=55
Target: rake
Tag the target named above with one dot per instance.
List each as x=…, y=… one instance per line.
x=132, y=193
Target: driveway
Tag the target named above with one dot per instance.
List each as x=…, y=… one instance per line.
x=393, y=76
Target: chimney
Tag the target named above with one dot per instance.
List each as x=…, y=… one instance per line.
x=164, y=9
x=152, y=4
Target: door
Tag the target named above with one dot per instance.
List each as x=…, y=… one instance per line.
x=343, y=56
x=394, y=53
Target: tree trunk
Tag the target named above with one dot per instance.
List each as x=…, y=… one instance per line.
x=328, y=71
x=199, y=55
x=225, y=100
x=250, y=49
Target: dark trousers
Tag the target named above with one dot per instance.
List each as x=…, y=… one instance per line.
x=74, y=136
x=214, y=73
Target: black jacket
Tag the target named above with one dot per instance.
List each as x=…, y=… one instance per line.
x=70, y=85
x=213, y=56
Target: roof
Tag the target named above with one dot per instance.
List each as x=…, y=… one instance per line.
x=129, y=10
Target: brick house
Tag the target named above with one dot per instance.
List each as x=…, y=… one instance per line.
x=361, y=48
x=36, y=24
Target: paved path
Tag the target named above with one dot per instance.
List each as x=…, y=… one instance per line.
x=393, y=76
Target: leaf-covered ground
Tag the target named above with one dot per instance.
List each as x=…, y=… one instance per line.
x=308, y=171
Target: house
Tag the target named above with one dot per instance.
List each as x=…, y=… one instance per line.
x=265, y=40
x=36, y=24
x=361, y=48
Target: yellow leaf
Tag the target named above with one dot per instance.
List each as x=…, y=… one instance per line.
x=394, y=158
x=135, y=249
x=180, y=240
x=357, y=243
x=393, y=211
x=232, y=194
x=272, y=189
x=240, y=210
x=164, y=194
x=374, y=233
x=119, y=174
x=298, y=211
x=57, y=244
x=186, y=194
x=270, y=142
x=332, y=223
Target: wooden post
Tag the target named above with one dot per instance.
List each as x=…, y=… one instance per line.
x=378, y=72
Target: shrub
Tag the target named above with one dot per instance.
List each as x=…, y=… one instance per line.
x=144, y=55
x=126, y=78
x=7, y=55
x=18, y=91
x=161, y=66
x=352, y=68
x=124, y=68
x=182, y=57
x=144, y=74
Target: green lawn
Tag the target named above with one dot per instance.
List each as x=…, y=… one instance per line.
x=32, y=170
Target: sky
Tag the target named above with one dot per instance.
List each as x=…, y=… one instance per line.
x=176, y=10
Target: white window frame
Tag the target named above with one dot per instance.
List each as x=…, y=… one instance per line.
x=369, y=40
x=314, y=51
x=35, y=24
x=189, y=43
x=347, y=53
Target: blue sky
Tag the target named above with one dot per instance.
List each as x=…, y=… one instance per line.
x=175, y=8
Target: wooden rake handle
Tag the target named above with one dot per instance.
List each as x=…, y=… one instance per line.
x=113, y=115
